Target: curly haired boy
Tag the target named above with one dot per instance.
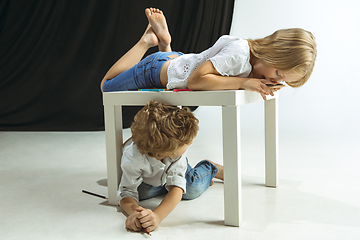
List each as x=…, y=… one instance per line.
x=154, y=163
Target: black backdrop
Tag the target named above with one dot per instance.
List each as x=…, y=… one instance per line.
x=54, y=53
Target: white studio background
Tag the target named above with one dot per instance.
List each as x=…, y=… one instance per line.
x=328, y=103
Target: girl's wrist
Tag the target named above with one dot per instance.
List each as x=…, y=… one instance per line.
x=241, y=83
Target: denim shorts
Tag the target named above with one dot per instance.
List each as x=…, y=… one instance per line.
x=198, y=179
x=145, y=74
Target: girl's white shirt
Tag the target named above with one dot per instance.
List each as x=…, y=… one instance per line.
x=138, y=168
x=229, y=55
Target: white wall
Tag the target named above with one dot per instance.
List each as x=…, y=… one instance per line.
x=328, y=102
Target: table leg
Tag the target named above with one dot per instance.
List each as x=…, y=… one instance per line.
x=232, y=165
x=113, y=135
x=271, y=143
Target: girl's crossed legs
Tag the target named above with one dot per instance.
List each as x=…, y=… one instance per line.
x=156, y=34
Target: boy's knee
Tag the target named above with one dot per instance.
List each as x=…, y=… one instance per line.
x=191, y=195
x=194, y=191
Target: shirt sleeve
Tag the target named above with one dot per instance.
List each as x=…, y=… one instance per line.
x=233, y=59
x=131, y=178
x=176, y=174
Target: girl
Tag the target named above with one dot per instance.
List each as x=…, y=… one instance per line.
x=287, y=55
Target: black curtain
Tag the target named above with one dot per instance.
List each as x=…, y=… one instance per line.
x=54, y=53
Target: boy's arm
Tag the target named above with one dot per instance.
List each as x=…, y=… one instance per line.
x=129, y=205
x=151, y=219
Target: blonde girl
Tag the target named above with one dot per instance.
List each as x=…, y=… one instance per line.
x=287, y=55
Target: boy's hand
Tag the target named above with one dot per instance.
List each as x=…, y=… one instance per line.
x=133, y=223
x=148, y=219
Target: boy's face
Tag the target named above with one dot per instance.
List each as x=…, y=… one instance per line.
x=271, y=75
x=180, y=150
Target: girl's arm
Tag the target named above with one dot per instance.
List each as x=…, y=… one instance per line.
x=151, y=219
x=206, y=77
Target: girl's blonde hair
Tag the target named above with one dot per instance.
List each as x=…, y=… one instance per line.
x=288, y=49
x=159, y=129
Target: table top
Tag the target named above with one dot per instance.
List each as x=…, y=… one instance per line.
x=184, y=98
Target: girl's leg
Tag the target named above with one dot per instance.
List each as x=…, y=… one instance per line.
x=156, y=34
x=158, y=23
x=199, y=178
x=133, y=56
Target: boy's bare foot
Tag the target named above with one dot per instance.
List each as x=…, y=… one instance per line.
x=158, y=23
x=149, y=37
x=220, y=173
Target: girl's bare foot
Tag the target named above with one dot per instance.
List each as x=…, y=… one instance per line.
x=149, y=38
x=158, y=23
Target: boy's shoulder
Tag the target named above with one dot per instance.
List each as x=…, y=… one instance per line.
x=132, y=153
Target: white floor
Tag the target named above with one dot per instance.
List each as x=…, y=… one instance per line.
x=42, y=175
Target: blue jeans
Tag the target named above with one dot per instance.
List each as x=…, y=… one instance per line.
x=145, y=74
x=198, y=179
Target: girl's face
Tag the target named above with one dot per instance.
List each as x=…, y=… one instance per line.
x=271, y=75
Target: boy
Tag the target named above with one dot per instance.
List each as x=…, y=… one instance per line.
x=154, y=163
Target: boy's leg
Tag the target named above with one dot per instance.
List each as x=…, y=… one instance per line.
x=199, y=178
x=147, y=191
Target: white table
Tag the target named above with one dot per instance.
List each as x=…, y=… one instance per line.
x=230, y=101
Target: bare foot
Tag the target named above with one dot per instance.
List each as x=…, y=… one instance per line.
x=149, y=37
x=158, y=23
x=220, y=173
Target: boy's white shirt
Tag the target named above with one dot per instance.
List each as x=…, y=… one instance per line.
x=138, y=168
x=229, y=55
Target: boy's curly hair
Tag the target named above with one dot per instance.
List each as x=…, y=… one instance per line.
x=159, y=129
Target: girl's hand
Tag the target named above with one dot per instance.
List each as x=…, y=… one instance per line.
x=254, y=84
x=275, y=89
x=133, y=223
x=148, y=219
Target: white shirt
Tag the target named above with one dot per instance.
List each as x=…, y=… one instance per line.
x=138, y=168
x=229, y=55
